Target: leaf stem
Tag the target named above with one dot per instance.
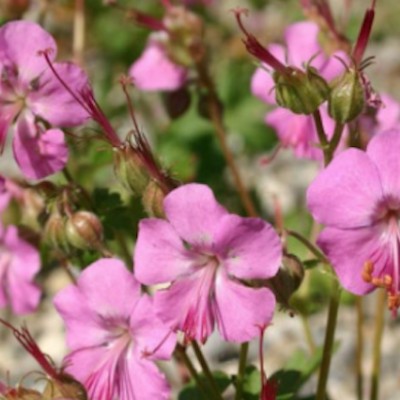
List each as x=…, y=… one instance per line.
x=244, y=349
x=328, y=342
x=376, y=360
x=359, y=348
x=206, y=370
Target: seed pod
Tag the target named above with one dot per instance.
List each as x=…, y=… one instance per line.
x=130, y=169
x=152, y=200
x=299, y=91
x=54, y=233
x=66, y=387
x=347, y=98
x=84, y=231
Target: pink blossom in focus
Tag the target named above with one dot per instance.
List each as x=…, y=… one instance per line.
x=205, y=252
x=297, y=131
x=29, y=91
x=153, y=70
x=114, y=335
x=357, y=197
x=19, y=263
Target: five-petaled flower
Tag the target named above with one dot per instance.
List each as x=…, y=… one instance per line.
x=358, y=198
x=207, y=254
x=31, y=94
x=114, y=335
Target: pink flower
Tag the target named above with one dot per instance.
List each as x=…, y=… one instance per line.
x=297, y=131
x=154, y=70
x=19, y=263
x=207, y=253
x=114, y=334
x=358, y=198
x=29, y=93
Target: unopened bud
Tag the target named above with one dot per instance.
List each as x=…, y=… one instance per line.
x=84, y=231
x=177, y=102
x=347, y=98
x=130, y=169
x=65, y=387
x=299, y=91
x=152, y=200
x=288, y=279
x=54, y=233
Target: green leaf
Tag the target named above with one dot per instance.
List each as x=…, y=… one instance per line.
x=192, y=392
x=251, y=383
x=297, y=371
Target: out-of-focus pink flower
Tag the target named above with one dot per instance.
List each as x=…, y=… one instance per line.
x=153, y=70
x=297, y=131
x=29, y=92
x=385, y=118
x=19, y=263
x=114, y=335
x=205, y=252
x=358, y=198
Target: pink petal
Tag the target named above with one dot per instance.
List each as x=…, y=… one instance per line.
x=347, y=192
x=155, y=71
x=241, y=311
x=160, y=255
x=194, y=213
x=348, y=250
x=95, y=367
x=186, y=306
x=21, y=41
x=382, y=150
x=23, y=293
x=6, y=117
x=53, y=102
x=249, y=247
x=83, y=325
x=39, y=154
x=334, y=67
x=98, y=283
x=388, y=116
x=141, y=380
x=302, y=43
x=151, y=335
x=262, y=83
x=296, y=132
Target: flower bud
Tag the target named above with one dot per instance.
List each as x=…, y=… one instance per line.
x=84, y=231
x=20, y=393
x=54, y=233
x=64, y=387
x=347, y=98
x=152, y=200
x=300, y=92
x=130, y=169
x=288, y=279
x=177, y=102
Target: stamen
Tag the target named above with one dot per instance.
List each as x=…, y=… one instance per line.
x=149, y=353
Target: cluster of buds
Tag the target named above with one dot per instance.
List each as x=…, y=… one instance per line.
x=68, y=228
x=303, y=91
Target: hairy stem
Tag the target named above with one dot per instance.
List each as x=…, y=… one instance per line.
x=242, y=366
